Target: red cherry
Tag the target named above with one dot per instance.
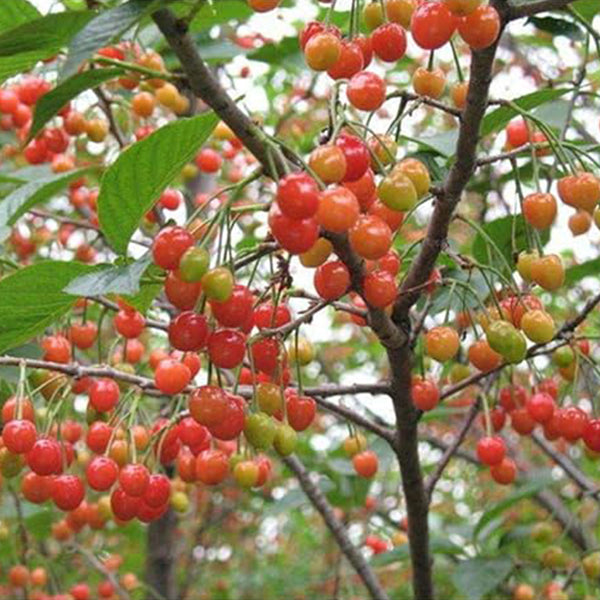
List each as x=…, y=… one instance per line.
x=541, y=407
x=208, y=160
x=332, y=280
x=104, y=394
x=491, y=450
x=83, y=335
x=98, y=436
x=68, y=492
x=9, y=409
x=517, y=132
x=191, y=433
x=366, y=91
x=212, y=466
x=57, y=348
x=301, y=411
x=134, y=479
x=101, y=473
x=188, y=331
x=266, y=316
x=356, y=154
x=351, y=61
x=208, y=405
x=591, y=435
x=366, y=463
x=170, y=245
x=36, y=488
x=158, y=491
x=505, y=472
x=298, y=196
x=512, y=396
x=181, y=294
x=425, y=394
x=129, y=323
x=294, y=235
x=124, y=507
x=226, y=348
x=521, y=421
x=234, y=312
x=389, y=42
x=265, y=354
x=379, y=289
x=171, y=376
x=45, y=457
x=233, y=422
x=432, y=25
x=572, y=422
x=19, y=436
x=170, y=199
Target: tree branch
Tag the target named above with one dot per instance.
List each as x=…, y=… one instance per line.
x=354, y=556
x=528, y=9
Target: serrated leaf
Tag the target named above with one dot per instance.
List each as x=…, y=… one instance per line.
x=110, y=279
x=557, y=27
x=103, y=29
x=33, y=298
x=28, y=195
x=475, y=577
x=500, y=117
x=217, y=13
x=23, y=46
x=131, y=186
x=49, y=104
x=501, y=232
x=590, y=268
x=16, y=12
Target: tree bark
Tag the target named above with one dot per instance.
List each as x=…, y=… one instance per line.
x=160, y=557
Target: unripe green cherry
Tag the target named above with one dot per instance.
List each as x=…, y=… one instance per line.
x=217, y=284
x=246, y=473
x=397, y=192
x=285, y=440
x=194, y=264
x=180, y=502
x=563, y=356
x=505, y=339
x=538, y=326
x=269, y=397
x=260, y=430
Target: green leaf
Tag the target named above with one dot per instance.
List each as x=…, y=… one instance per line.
x=501, y=232
x=443, y=143
x=522, y=492
x=217, y=13
x=131, y=186
x=49, y=104
x=589, y=268
x=438, y=545
x=23, y=46
x=142, y=301
x=500, y=117
x=103, y=29
x=16, y=12
x=287, y=52
x=588, y=9
x=24, y=197
x=475, y=577
x=557, y=27
x=110, y=279
x=33, y=298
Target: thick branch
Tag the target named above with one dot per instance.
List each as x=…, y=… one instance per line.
x=206, y=86
x=528, y=9
x=354, y=556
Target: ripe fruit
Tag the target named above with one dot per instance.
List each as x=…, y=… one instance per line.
x=134, y=479
x=104, y=394
x=491, y=450
x=356, y=155
x=429, y=83
x=300, y=411
x=350, y=62
x=226, y=348
x=370, y=237
x=365, y=463
x=505, y=472
x=539, y=210
x=540, y=407
x=45, y=456
x=482, y=357
x=442, y=343
x=83, y=335
x=460, y=8
x=298, y=196
x=295, y=236
x=581, y=191
x=432, y=25
x=548, y=272
x=518, y=133
x=400, y=11
x=389, y=42
x=366, y=91
x=425, y=394
x=580, y=222
x=480, y=28
x=209, y=160
x=322, y=51
x=101, y=473
x=188, y=331
x=68, y=492
x=332, y=280
x=170, y=245
x=171, y=376
x=143, y=104
x=212, y=466
x=19, y=436
x=338, y=210
x=208, y=405
x=379, y=289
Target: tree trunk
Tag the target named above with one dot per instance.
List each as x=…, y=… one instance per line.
x=160, y=556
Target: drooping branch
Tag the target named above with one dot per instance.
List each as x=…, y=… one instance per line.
x=354, y=556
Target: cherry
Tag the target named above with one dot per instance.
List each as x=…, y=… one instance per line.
x=322, y=50
x=192, y=433
x=268, y=316
x=188, y=331
x=390, y=262
x=314, y=27
x=171, y=376
x=170, y=199
x=9, y=409
x=539, y=210
x=363, y=188
x=319, y=252
x=208, y=405
x=442, y=343
x=400, y=11
x=429, y=83
x=101, y=473
x=425, y=394
x=366, y=91
x=350, y=61
x=462, y=8
x=104, y=394
x=505, y=472
x=158, y=491
x=8, y=101
x=134, y=479
x=233, y=422
x=143, y=104
x=354, y=444
x=483, y=357
x=512, y=396
x=57, y=348
x=68, y=492
x=192, y=362
x=548, y=272
x=19, y=436
x=491, y=450
x=338, y=210
x=332, y=280
x=521, y=421
x=246, y=473
x=300, y=410
x=366, y=48
x=169, y=246
x=265, y=354
x=83, y=335
x=208, y=160
x=366, y=463
x=18, y=576
x=226, y=348
x=389, y=42
x=45, y=457
x=379, y=289
x=298, y=196
x=80, y=591
x=571, y=423
x=581, y=191
x=234, y=312
x=294, y=235
x=123, y=506
x=397, y=191
x=591, y=435
x=97, y=437
x=432, y=25
x=212, y=466
x=480, y=28
x=193, y=265
x=392, y=217
x=36, y=488
x=181, y=294
x=356, y=154
x=328, y=162
x=217, y=284
x=371, y=237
